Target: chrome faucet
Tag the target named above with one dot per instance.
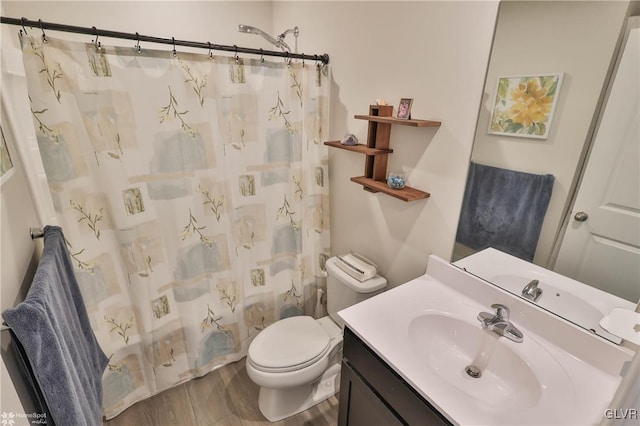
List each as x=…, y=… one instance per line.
x=499, y=323
x=531, y=291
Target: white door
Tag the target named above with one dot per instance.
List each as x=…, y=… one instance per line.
x=601, y=246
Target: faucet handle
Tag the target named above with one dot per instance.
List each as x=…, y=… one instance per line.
x=502, y=311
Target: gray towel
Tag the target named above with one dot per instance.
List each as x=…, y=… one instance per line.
x=53, y=327
x=504, y=209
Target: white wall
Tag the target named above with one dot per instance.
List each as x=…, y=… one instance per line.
x=18, y=256
x=574, y=37
x=17, y=250
x=434, y=52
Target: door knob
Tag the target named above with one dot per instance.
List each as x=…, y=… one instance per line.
x=581, y=216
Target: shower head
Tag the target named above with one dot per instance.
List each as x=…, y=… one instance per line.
x=293, y=30
x=279, y=42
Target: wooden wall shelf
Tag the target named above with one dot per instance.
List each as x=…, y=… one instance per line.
x=377, y=151
x=405, y=194
x=400, y=121
x=360, y=148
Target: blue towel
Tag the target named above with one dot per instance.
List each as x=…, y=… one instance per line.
x=53, y=327
x=503, y=209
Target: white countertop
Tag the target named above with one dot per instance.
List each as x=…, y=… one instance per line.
x=586, y=367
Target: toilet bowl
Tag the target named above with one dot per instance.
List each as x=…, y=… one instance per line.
x=296, y=360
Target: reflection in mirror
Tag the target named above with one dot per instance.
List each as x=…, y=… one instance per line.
x=583, y=304
x=525, y=194
x=605, y=221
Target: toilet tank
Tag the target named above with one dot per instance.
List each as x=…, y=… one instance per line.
x=344, y=290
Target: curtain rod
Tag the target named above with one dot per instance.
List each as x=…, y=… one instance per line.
x=324, y=58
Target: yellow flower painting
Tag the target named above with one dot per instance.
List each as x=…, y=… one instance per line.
x=524, y=105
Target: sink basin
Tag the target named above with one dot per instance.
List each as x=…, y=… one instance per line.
x=514, y=376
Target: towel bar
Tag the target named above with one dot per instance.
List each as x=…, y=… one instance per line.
x=36, y=233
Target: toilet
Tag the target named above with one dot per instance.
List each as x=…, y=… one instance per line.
x=296, y=360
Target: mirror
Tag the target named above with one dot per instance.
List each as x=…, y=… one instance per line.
x=540, y=203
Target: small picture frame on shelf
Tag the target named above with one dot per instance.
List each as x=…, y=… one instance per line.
x=404, y=109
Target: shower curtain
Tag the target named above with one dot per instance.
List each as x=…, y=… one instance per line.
x=193, y=194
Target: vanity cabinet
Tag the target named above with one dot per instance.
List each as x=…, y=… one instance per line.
x=371, y=393
x=377, y=151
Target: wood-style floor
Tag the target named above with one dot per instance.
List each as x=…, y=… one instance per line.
x=224, y=397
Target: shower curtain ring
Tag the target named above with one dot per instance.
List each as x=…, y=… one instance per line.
x=302, y=59
x=261, y=56
x=210, y=51
x=44, y=36
x=175, y=53
x=288, y=59
x=96, y=42
x=138, y=49
x=236, y=57
x=25, y=30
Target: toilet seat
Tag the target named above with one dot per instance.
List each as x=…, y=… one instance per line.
x=288, y=345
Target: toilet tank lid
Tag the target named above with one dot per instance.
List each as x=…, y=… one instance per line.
x=374, y=284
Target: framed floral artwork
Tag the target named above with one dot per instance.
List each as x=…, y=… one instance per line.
x=524, y=105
